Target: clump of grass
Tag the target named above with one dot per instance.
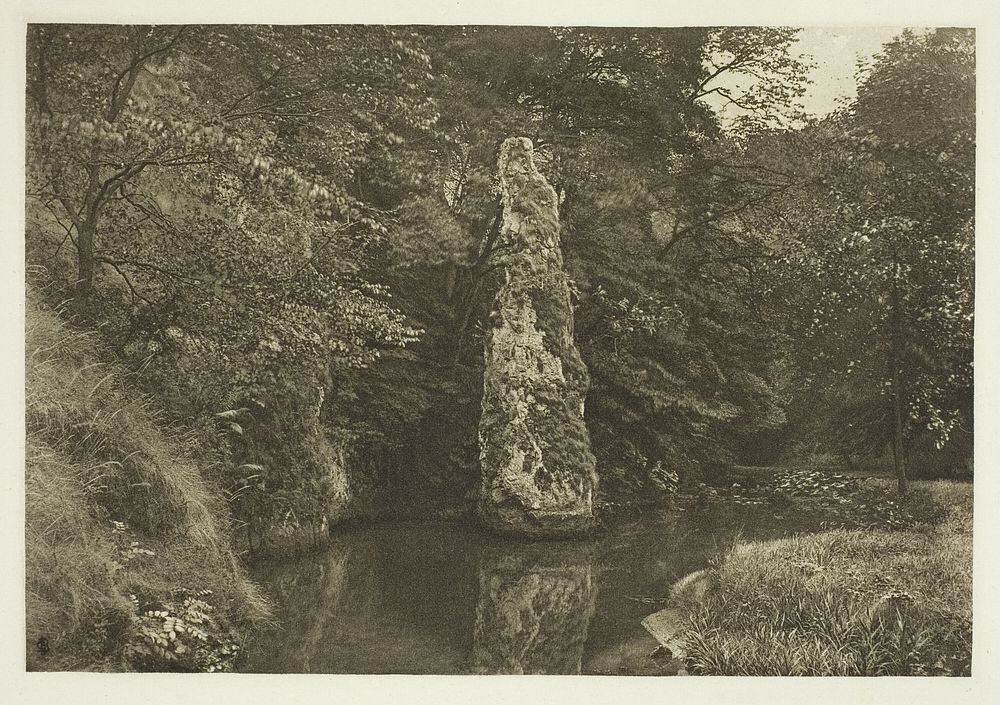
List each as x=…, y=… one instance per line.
x=116, y=506
x=846, y=602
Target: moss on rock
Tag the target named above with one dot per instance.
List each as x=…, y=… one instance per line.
x=538, y=470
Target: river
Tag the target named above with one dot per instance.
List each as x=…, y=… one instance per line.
x=423, y=597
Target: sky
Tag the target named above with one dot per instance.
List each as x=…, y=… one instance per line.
x=836, y=51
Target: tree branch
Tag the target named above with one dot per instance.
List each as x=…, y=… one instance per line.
x=699, y=92
x=120, y=93
x=128, y=283
x=680, y=233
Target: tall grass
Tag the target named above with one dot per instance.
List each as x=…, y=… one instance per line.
x=846, y=602
x=115, y=506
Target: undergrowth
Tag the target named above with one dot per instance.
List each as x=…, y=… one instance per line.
x=118, y=517
x=848, y=601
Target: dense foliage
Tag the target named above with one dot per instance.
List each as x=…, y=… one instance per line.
x=211, y=181
x=119, y=517
x=287, y=233
x=877, y=272
x=848, y=602
x=680, y=366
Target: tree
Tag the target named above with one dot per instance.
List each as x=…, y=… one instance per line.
x=664, y=278
x=211, y=182
x=883, y=247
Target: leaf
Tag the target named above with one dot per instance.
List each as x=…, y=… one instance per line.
x=231, y=414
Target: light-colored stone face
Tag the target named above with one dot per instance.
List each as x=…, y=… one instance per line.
x=538, y=471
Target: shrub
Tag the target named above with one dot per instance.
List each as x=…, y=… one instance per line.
x=180, y=633
x=814, y=483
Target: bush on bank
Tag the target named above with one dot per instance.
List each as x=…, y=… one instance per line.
x=849, y=601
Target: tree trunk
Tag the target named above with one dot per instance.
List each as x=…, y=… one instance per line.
x=471, y=282
x=85, y=266
x=895, y=359
x=898, y=455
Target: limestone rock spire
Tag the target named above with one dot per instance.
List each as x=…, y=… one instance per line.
x=538, y=470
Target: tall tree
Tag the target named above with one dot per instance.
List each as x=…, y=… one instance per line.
x=882, y=250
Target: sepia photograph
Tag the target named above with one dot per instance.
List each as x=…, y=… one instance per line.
x=480, y=349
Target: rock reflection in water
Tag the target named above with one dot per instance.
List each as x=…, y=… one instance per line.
x=534, y=608
x=447, y=598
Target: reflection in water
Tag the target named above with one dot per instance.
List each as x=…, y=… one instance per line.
x=382, y=600
x=447, y=598
x=534, y=608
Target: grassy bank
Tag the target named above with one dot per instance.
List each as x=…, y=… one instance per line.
x=861, y=601
x=128, y=556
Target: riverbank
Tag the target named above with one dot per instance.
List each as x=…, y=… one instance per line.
x=888, y=597
x=129, y=557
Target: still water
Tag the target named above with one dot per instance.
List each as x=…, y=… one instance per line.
x=447, y=598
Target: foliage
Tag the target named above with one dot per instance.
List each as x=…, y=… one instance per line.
x=883, y=513
x=814, y=483
x=180, y=633
x=116, y=504
x=830, y=500
x=765, y=78
x=301, y=222
x=844, y=602
x=227, y=220
x=289, y=238
x=877, y=269
x=667, y=481
x=220, y=190
x=621, y=130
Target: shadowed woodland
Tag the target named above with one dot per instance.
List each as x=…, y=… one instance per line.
x=285, y=279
